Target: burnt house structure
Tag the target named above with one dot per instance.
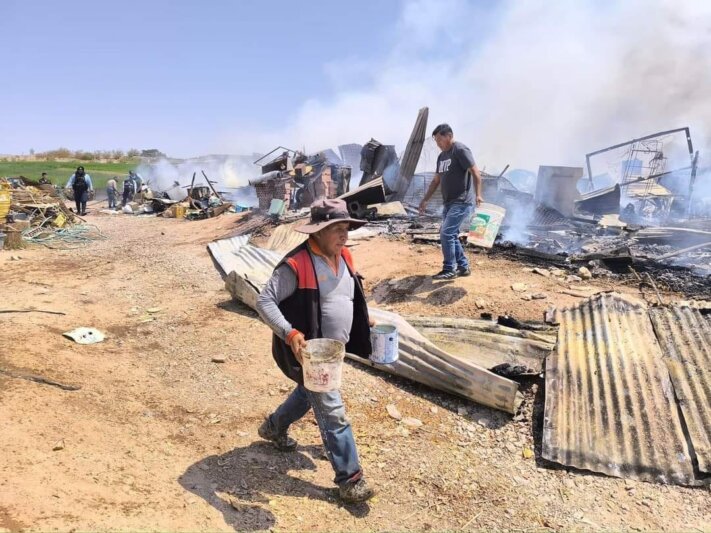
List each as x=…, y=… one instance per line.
x=298, y=179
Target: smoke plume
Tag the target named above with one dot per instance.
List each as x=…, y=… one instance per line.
x=524, y=82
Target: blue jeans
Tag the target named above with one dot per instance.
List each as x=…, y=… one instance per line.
x=452, y=218
x=112, y=198
x=335, y=428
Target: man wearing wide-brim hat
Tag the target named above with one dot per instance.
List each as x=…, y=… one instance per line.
x=315, y=292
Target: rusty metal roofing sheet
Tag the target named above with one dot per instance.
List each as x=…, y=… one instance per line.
x=424, y=362
x=685, y=337
x=489, y=344
x=284, y=238
x=610, y=404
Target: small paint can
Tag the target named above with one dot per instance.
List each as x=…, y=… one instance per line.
x=384, y=339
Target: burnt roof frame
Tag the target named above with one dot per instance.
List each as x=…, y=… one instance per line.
x=646, y=137
x=283, y=148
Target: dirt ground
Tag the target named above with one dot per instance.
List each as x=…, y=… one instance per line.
x=160, y=437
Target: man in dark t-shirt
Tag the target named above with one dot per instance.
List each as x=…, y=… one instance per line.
x=461, y=188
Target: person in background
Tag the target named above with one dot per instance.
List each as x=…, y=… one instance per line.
x=129, y=189
x=112, y=192
x=137, y=181
x=456, y=170
x=80, y=183
x=315, y=292
x=44, y=180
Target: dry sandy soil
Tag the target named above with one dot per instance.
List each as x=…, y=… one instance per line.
x=159, y=437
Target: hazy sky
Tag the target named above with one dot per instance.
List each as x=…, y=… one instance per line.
x=176, y=75
x=522, y=82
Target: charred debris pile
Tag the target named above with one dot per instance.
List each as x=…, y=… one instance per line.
x=629, y=210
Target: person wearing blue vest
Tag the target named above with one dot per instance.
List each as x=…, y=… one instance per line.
x=80, y=183
x=315, y=292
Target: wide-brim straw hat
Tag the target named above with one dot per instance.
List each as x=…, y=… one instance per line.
x=327, y=212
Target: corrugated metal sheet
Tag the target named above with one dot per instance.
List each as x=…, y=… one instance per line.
x=251, y=262
x=372, y=192
x=488, y=344
x=545, y=216
x=248, y=268
x=695, y=304
x=424, y=362
x=685, y=337
x=610, y=404
x=284, y=238
x=602, y=201
x=412, y=153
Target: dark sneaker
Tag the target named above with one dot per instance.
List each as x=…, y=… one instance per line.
x=463, y=272
x=356, y=491
x=445, y=274
x=282, y=441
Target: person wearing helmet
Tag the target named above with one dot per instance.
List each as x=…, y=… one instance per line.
x=80, y=183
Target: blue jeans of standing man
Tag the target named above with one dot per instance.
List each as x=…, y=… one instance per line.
x=111, y=193
x=335, y=428
x=452, y=250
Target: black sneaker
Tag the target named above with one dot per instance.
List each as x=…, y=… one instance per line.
x=463, y=272
x=282, y=441
x=356, y=491
x=445, y=274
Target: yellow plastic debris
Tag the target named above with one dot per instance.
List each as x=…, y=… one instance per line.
x=60, y=220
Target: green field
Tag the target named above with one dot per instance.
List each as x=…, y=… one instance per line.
x=59, y=172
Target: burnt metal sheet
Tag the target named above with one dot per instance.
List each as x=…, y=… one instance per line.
x=610, y=404
x=601, y=201
x=685, y=337
x=411, y=156
x=269, y=176
x=488, y=344
x=425, y=362
x=547, y=217
x=372, y=192
x=556, y=187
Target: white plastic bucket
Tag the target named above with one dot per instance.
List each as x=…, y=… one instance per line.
x=323, y=364
x=485, y=225
x=384, y=339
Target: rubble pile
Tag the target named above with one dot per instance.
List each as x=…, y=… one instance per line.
x=35, y=214
x=642, y=218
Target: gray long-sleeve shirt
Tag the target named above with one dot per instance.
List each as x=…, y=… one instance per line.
x=336, y=292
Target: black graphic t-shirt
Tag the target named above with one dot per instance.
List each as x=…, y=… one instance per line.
x=456, y=182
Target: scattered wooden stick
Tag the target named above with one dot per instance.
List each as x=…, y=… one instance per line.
x=683, y=251
x=639, y=278
x=38, y=379
x=654, y=286
x=472, y=520
x=32, y=311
